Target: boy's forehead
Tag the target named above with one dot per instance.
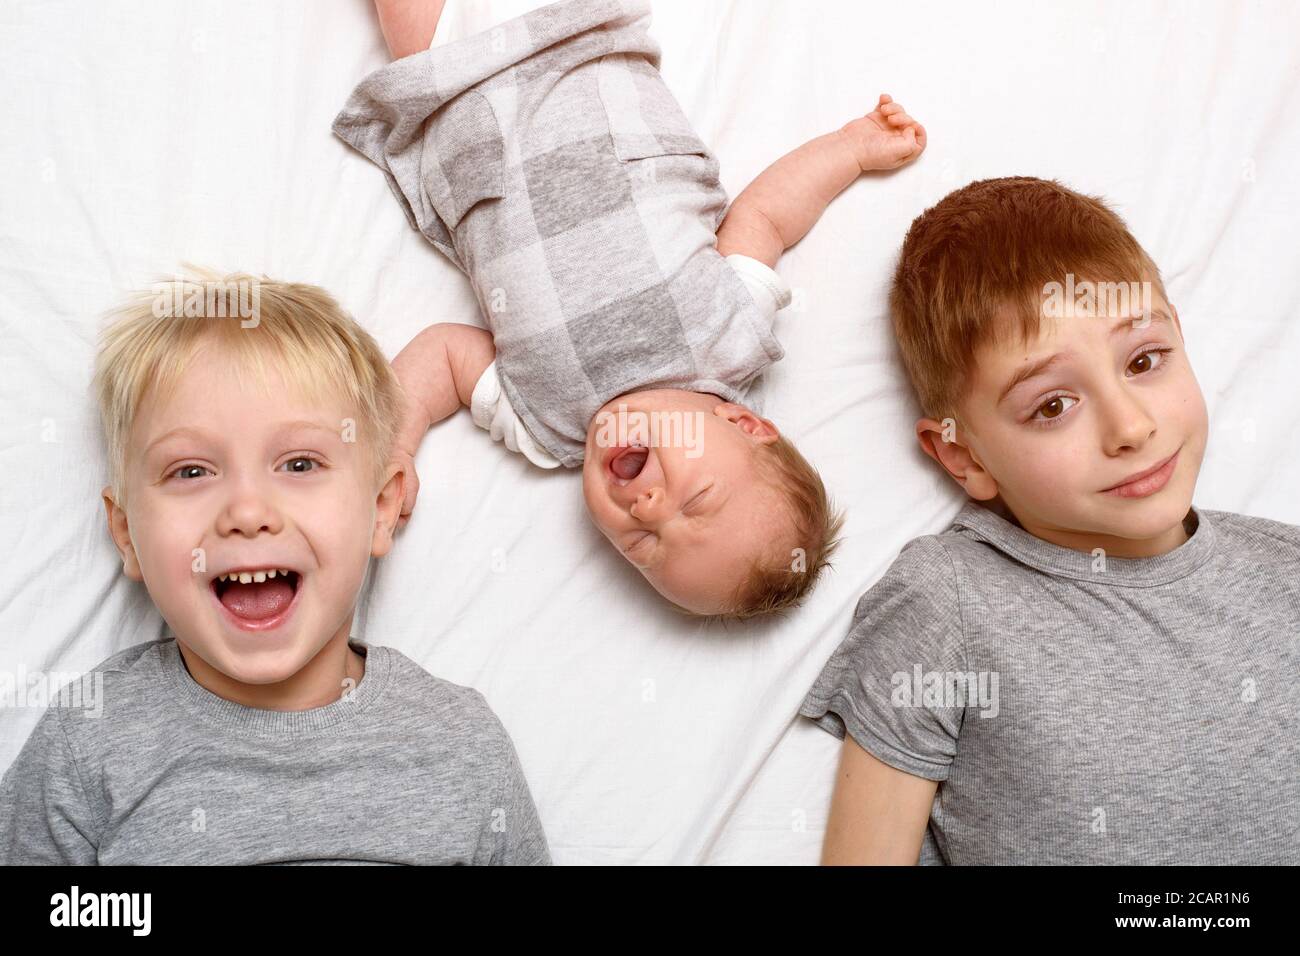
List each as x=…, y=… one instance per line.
x=1057, y=331
x=211, y=402
x=1009, y=357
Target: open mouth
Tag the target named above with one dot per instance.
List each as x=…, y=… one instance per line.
x=625, y=463
x=257, y=600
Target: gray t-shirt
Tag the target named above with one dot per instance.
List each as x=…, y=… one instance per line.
x=404, y=768
x=1113, y=711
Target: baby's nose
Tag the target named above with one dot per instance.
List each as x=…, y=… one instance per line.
x=648, y=506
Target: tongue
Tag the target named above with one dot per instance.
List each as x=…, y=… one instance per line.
x=629, y=464
x=256, y=602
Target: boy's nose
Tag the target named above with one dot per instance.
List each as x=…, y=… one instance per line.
x=248, y=514
x=1128, y=423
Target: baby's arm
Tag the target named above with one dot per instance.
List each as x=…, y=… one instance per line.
x=878, y=813
x=782, y=204
x=408, y=25
x=438, y=370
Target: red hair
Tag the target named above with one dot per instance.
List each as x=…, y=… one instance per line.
x=974, y=268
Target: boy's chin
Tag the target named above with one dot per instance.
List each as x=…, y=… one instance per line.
x=1128, y=519
x=1134, y=520
x=258, y=666
x=1142, y=521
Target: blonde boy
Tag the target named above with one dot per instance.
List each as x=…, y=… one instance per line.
x=249, y=426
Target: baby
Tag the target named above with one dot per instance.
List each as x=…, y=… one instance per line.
x=249, y=425
x=546, y=158
x=1084, y=668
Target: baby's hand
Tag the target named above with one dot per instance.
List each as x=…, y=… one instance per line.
x=885, y=138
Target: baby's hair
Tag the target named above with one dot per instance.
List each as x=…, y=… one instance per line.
x=298, y=330
x=973, y=269
x=782, y=581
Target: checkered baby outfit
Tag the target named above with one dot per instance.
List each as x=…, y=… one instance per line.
x=548, y=160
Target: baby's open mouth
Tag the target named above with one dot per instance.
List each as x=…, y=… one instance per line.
x=626, y=463
x=256, y=595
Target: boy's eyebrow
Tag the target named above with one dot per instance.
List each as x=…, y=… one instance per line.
x=201, y=435
x=1029, y=371
x=1042, y=365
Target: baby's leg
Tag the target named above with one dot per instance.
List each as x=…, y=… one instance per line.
x=408, y=25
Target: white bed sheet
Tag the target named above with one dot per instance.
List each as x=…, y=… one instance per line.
x=139, y=135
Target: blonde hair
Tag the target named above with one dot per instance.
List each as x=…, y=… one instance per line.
x=973, y=269
x=773, y=586
x=299, y=330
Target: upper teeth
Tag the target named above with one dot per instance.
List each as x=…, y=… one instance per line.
x=248, y=577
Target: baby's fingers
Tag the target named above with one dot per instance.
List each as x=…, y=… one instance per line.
x=905, y=148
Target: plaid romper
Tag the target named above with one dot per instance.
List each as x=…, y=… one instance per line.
x=547, y=159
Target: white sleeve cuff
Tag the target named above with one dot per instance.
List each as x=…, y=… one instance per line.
x=491, y=410
x=765, y=284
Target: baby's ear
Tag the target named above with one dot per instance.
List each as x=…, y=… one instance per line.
x=756, y=427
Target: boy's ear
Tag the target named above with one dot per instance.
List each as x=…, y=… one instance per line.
x=388, y=506
x=121, y=534
x=941, y=442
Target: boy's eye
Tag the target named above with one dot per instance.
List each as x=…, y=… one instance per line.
x=1054, y=407
x=1147, y=361
x=185, y=468
x=303, y=458
x=305, y=465
x=1058, y=405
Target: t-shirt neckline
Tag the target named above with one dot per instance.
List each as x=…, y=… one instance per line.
x=989, y=526
x=247, y=719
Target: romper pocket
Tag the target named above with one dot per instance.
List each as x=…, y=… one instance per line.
x=644, y=117
x=462, y=163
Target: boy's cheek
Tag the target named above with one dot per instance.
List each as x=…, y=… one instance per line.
x=1042, y=470
x=173, y=588
x=1200, y=413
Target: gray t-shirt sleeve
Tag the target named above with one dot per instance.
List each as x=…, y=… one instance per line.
x=906, y=635
x=46, y=816
x=513, y=834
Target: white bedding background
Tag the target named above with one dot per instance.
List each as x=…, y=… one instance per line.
x=141, y=134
